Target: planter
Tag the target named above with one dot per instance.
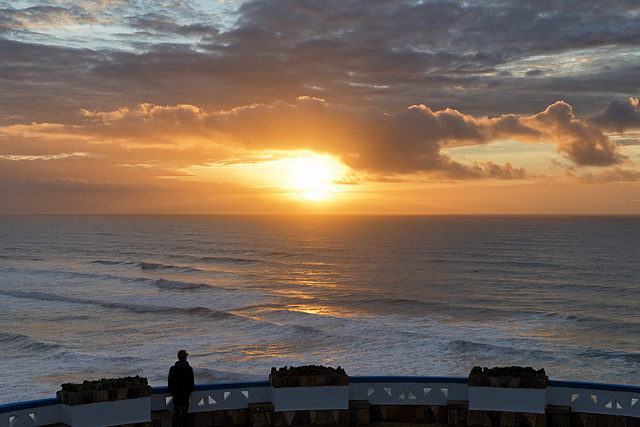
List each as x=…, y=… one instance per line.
x=309, y=388
x=106, y=402
x=510, y=389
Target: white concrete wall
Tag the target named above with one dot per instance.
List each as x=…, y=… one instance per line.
x=310, y=398
x=596, y=400
x=102, y=414
x=408, y=393
x=529, y=400
x=37, y=416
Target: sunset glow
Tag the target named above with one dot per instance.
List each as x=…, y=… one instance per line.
x=314, y=177
x=283, y=106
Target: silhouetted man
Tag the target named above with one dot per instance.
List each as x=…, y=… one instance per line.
x=181, y=386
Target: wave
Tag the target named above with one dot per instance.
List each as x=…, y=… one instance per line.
x=384, y=304
x=522, y=349
x=251, y=322
x=258, y=306
x=556, y=316
x=400, y=302
x=485, y=263
x=108, y=262
x=177, y=285
x=20, y=258
x=209, y=313
x=146, y=265
x=25, y=343
x=137, y=308
x=303, y=324
x=519, y=350
x=466, y=346
x=611, y=355
x=206, y=376
x=156, y=266
x=222, y=259
x=46, y=274
x=457, y=308
x=281, y=253
x=83, y=361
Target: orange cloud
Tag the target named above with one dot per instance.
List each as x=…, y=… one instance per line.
x=616, y=174
x=584, y=144
x=365, y=139
x=408, y=141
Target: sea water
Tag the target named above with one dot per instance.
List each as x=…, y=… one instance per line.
x=86, y=297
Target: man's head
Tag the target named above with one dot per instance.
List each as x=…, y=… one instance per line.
x=182, y=355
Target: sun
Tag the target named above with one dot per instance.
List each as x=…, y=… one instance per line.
x=313, y=178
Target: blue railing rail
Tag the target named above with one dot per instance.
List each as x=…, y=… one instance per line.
x=405, y=379
x=216, y=386
x=19, y=406
x=594, y=386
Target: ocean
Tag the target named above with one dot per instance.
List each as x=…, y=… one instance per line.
x=86, y=297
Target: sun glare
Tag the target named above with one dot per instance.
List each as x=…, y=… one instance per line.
x=313, y=178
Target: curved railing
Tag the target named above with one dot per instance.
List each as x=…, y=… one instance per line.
x=594, y=398
x=214, y=397
x=31, y=413
x=380, y=390
x=581, y=397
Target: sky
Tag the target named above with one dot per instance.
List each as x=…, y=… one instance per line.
x=334, y=106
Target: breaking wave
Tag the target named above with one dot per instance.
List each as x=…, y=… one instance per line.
x=177, y=285
x=223, y=259
x=156, y=266
x=138, y=308
x=24, y=343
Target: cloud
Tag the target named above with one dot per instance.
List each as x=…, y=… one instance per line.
x=81, y=185
x=408, y=82
x=47, y=16
x=473, y=57
x=409, y=141
x=585, y=145
x=606, y=176
x=619, y=115
x=23, y=157
x=162, y=25
x=506, y=171
x=367, y=140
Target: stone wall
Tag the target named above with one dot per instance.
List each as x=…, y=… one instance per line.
x=105, y=390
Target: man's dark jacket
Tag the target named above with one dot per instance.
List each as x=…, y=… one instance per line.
x=181, y=379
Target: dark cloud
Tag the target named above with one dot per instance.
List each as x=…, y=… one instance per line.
x=162, y=25
x=470, y=56
x=535, y=73
x=584, y=144
x=619, y=115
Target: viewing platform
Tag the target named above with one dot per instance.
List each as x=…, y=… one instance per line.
x=499, y=397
